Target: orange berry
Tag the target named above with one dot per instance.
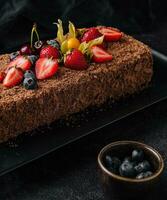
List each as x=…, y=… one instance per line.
x=73, y=43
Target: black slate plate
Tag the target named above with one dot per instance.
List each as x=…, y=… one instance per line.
x=29, y=148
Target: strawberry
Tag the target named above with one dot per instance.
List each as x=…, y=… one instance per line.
x=90, y=34
x=49, y=51
x=75, y=60
x=2, y=76
x=100, y=55
x=46, y=68
x=20, y=62
x=13, y=77
x=110, y=34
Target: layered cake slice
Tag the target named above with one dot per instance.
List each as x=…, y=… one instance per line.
x=46, y=81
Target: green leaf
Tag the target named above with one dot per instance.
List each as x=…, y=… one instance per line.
x=60, y=32
x=85, y=47
x=72, y=31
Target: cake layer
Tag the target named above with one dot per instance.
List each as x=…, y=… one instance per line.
x=72, y=91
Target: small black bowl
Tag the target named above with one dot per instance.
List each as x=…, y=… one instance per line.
x=118, y=187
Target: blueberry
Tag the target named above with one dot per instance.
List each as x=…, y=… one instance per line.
x=144, y=175
x=14, y=55
x=137, y=155
x=127, y=159
x=29, y=74
x=147, y=174
x=112, y=163
x=30, y=83
x=140, y=176
x=143, y=166
x=127, y=170
x=33, y=59
x=54, y=43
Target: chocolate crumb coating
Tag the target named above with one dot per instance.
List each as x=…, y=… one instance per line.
x=71, y=91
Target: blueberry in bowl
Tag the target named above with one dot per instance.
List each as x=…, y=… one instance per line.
x=129, y=170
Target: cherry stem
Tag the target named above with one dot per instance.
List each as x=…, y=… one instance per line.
x=34, y=30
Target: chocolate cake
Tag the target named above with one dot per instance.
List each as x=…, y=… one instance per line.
x=71, y=91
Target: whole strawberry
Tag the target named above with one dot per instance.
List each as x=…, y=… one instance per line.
x=49, y=51
x=90, y=34
x=75, y=60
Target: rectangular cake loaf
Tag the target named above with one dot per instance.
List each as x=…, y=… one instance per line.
x=72, y=91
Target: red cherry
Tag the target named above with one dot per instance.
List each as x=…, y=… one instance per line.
x=26, y=50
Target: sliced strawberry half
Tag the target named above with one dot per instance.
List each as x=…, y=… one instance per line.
x=90, y=34
x=2, y=76
x=20, y=62
x=100, y=55
x=13, y=77
x=110, y=34
x=46, y=68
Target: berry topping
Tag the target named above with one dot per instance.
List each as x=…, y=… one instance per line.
x=75, y=60
x=14, y=55
x=26, y=50
x=53, y=43
x=30, y=83
x=29, y=74
x=2, y=76
x=73, y=43
x=100, y=55
x=13, y=77
x=20, y=62
x=46, y=68
x=33, y=59
x=110, y=34
x=90, y=34
x=49, y=51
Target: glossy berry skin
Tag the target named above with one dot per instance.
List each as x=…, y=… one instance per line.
x=49, y=51
x=26, y=50
x=14, y=55
x=100, y=55
x=90, y=34
x=127, y=170
x=137, y=155
x=75, y=60
x=112, y=163
x=142, y=167
x=30, y=83
x=46, y=68
x=54, y=43
x=13, y=77
x=29, y=74
x=144, y=175
x=33, y=58
x=73, y=43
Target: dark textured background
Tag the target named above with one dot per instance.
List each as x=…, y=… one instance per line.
x=71, y=172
